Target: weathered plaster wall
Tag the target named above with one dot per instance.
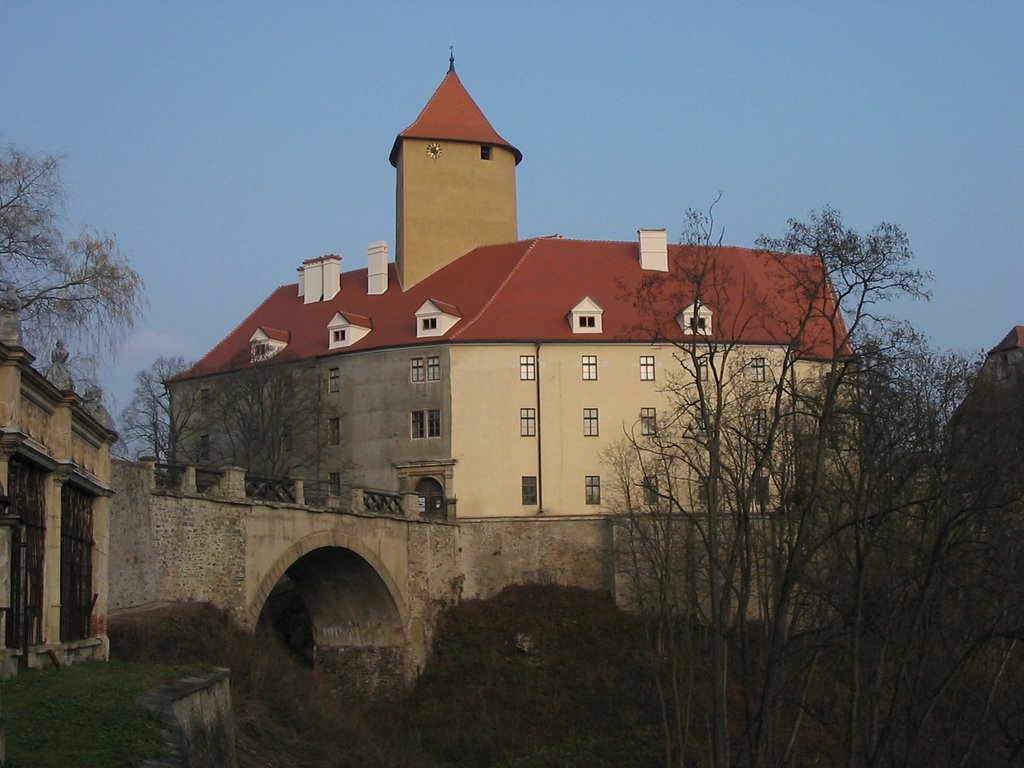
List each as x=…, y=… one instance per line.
x=498, y=552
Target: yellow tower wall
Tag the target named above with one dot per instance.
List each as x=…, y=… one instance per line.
x=449, y=205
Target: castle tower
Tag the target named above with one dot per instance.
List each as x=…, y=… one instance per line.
x=456, y=186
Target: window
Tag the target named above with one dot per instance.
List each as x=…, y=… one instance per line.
x=590, y=367
x=646, y=367
x=650, y=489
x=648, y=421
x=334, y=430
x=286, y=439
x=433, y=368
x=204, y=447
x=429, y=324
x=590, y=422
x=757, y=368
x=527, y=367
x=587, y=321
x=702, y=368
x=485, y=152
x=334, y=483
x=339, y=335
x=334, y=380
x=760, y=423
x=426, y=424
x=698, y=324
x=26, y=485
x=529, y=489
x=416, y=370
x=76, y=545
x=592, y=489
x=527, y=422
x=761, y=490
x=204, y=396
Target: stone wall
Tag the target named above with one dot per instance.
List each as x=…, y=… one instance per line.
x=198, y=722
x=131, y=571
x=570, y=551
x=166, y=548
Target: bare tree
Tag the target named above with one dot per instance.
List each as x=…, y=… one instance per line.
x=265, y=416
x=741, y=460
x=79, y=289
x=149, y=426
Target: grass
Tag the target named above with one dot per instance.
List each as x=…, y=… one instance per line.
x=84, y=716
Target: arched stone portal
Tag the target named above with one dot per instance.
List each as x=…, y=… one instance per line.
x=431, y=494
x=356, y=626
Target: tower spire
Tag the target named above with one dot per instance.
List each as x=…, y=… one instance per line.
x=451, y=58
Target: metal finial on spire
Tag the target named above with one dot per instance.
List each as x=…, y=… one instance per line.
x=451, y=58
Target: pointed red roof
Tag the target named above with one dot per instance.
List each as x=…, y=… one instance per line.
x=452, y=114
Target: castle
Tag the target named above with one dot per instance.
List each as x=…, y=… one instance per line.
x=488, y=374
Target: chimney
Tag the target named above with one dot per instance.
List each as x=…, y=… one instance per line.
x=320, y=279
x=332, y=276
x=312, y=281
x=653, y=249
x=377, y=263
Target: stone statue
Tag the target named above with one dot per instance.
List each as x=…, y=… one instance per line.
x=58, y=372
x=93, y=399
x=10, y=317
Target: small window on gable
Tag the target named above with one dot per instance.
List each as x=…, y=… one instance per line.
x=695, y=320
x=485, y=151
x=265, y=343
x=344, y=330
x=586, y=317
x=436, y=318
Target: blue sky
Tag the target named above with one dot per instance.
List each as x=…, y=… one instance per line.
x=225, y=142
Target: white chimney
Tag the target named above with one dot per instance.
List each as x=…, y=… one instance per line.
x=312, y=281
x=332, y=276
x=653, y=249
x=377, y=272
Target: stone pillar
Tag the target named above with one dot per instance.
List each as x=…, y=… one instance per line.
x=411, y=505
x=100, y=573
x=188, y=480
x=51, y=558
x=232, y=483
x=300, y=492
x=358, y=505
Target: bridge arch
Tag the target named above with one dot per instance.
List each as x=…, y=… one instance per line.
x=308, y=544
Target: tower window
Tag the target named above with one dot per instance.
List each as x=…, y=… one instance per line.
x=485, y=151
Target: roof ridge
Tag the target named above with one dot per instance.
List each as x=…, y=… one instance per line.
x=508, y=277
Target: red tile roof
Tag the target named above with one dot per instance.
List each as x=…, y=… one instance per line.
x=452, y=114
x=522, y=292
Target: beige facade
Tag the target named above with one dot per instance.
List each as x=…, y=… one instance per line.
x=55, y=469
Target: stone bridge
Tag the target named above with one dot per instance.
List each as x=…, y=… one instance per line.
x=357, y=590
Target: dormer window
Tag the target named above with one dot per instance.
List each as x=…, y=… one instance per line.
x=695, y=320
x=265, y=343
x=436, y=318
x=586, y=317
x=485, y=151
x=345, y=329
